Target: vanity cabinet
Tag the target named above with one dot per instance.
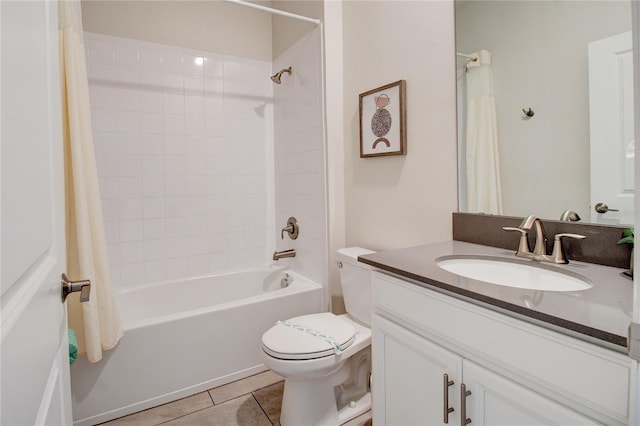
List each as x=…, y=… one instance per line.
x=429, y=348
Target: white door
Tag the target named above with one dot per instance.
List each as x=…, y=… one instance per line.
x=34, y=368
x=612, y=128
x=409, y=385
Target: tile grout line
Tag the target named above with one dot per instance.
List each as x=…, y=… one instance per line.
x=262, y=409
x=211, y=397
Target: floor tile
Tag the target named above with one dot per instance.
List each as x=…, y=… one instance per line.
x=166, y=412
x=270, y=399
x=244, y=386
x=240, y=411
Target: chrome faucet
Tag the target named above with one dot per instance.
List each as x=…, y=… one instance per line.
x=540, y=250
x=277, y=255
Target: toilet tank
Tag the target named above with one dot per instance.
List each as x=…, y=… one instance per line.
x=355, y=278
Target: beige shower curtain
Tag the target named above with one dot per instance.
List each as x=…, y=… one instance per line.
x=484, y=192
x=96, y=322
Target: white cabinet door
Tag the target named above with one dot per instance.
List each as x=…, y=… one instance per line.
x=496, y=401
x=408, y=380
x=34, y=352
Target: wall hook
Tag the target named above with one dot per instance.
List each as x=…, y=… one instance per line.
x=528, y=112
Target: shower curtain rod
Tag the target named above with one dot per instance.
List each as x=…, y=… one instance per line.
x=274, y=11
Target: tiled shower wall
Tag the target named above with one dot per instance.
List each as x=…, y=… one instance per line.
x=184, y=148
x=299, y=156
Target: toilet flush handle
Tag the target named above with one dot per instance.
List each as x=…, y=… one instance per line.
x=339, y=264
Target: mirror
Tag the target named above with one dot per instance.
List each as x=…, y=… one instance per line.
x=562, y=125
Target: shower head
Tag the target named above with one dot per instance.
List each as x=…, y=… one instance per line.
x=276, y=77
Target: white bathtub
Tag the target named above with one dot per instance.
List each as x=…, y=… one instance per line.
x=183, y=337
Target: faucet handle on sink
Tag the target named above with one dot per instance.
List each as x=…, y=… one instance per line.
x=523, y=247
x=558, y=255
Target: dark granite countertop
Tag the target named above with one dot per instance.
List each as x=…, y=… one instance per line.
x=600, y=314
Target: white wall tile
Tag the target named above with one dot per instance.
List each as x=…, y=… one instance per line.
x=132, y=274
x=173, y=103
x=129, y=165
x=127, y=99
x=193, y=65
x=173, y=83
x=175, y=186
x=155, y=270
x=154, y=229
x=104, y=97
x=176, y=247
x=181, y=152
x=171, y=60
x=153, y=208
x=150, y=59
x=131, y=230
x=153, y=165
x=152, y=186
x=152, y=144
x=178, y=268
x=103, y=120
x=129, y=187
x=155, y=249
x=151, y=101
x=129, y=76
x=108, y=187
x=176, y=226
x=194, y=105
x=128, y=144
x=213, y=66
x=131, y=252
x=176, y=207
x=174, y=124
x=104, y=142
x=128, y=121
x=151, y=80
x=151, y=123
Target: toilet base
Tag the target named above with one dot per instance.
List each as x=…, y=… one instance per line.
x=331, y=400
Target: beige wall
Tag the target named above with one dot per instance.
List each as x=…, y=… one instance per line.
x=212, y=26
x=400, y=201
x=287, y=31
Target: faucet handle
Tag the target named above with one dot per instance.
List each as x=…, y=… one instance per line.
x=558, y=255
x=523, y=246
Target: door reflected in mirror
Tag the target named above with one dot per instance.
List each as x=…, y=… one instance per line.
x=545, y=108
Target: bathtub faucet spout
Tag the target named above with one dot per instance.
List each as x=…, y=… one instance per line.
x=277, y=255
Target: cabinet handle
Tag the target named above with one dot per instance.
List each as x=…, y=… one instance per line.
x=464, y=393
x=445, y=392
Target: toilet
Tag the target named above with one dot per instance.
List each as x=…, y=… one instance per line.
x=326, y=358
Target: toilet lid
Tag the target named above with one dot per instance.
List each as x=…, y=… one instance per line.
x=308, y=337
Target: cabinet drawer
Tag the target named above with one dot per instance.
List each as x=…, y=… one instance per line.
x=592, y=379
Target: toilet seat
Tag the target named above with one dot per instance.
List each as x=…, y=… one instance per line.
x=308, y=337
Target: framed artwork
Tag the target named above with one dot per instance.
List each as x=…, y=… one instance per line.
x=383, y=121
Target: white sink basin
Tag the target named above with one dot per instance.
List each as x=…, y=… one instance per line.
x=512, y=273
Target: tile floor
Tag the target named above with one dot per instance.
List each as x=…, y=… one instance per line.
x=252, y=401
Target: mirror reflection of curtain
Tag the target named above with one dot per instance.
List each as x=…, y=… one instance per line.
x=484, y=193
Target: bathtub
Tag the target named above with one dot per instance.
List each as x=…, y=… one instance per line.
x=183, y=337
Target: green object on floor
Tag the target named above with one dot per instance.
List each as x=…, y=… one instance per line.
x=73, y=347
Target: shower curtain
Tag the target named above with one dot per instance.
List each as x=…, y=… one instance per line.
x=484, y=194
x=97, y=322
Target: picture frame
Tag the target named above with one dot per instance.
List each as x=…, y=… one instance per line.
x=383, y=121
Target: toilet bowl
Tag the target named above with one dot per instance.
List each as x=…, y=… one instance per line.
x=326, y=358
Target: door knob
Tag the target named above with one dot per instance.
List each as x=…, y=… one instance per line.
x=603, y=208
x=84, y=287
